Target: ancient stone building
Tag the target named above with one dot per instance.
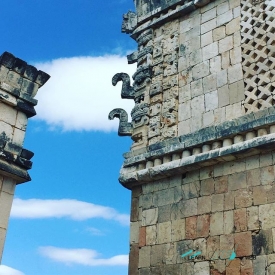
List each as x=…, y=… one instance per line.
x=19, y=83
x=201, y=166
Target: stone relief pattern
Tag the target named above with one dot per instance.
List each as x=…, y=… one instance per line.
x=164, y=85
x=258, y=50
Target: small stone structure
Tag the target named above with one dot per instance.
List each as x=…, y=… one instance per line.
x=19, y=83
x=201, y=166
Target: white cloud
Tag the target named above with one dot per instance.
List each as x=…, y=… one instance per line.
x=5, y=270
x=79, y=95
x=81, y=256
x=95, y=231
x=64, y=208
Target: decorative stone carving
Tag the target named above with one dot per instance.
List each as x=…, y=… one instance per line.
x=125, y=128
x=132, y=58
x=145, y=37
x=127, y=91
x=154, y=127
x=129, y=22
x=169, y=132
x=169, y=118
x=142, y=75
x=140, y=115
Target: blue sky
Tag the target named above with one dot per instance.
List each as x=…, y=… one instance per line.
x=73, y=217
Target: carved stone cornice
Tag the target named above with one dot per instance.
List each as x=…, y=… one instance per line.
x=227, y=141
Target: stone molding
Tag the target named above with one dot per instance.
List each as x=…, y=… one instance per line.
x=227, y=141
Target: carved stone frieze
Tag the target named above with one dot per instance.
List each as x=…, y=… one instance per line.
x=169, y=132
x=169, y=118
x=169, y=105
x=139, y=136
x=127, y=91
x=155, y=109
x=132, y=58
x=169, y=82
x=125, y=128
x=145, y=37
x=129, y=22
x=140, y=114
x=154, y=127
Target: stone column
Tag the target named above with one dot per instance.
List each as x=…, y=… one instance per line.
x=19, y=83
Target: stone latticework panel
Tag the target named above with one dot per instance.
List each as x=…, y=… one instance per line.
x=258, y=52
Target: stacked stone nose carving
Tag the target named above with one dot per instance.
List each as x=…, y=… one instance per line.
x=258, y=47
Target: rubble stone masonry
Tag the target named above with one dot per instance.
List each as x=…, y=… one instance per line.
x=201, y=167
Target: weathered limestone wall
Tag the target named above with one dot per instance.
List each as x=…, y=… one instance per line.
x=201, y=167
x=19, y=84
x=215, y=210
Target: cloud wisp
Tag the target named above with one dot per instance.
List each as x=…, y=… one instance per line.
x=79, y=95
x=64, y=208
x=6, y=270
x=81, y=256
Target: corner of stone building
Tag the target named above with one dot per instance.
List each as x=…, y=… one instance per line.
x=201, y=167
x=19, y=83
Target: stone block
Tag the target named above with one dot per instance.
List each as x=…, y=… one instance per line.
x=157, y=254
x=206, y=39
x=235, y=73
x=240, y=221
x=222, y=8
x=236, y=92
x=221, y=184
x=233, y=267
x=210, y=51
x=197, y=106
x=171, y=254
x=226, y=245
x=203, y=225
x=210, y=83
x=233, y=26
x=188, y=208
x=149, y=217
x=134, y=232
x=184, y=93
x=225, y=44
x=8, y=185
x=208, y=119
x=164, y=232
x=243, y=198
x=142, y=236
x=244, y=242
x=223, y=96
x=213, y=247
x=165, y=197
x=144, y=256
x=259, y=195
x=221, y=78
x=237, y=181
x=8, y=114
x=204, y=204
x=224, y=18
x=208, y=15
x=267, y=175
x=215, y=65
x=5, y=208
x=191, y=227
x=216, y=224
x=184, y=127
x=208, y=26
x=201, y=70
x=134, y=210
x=207, y=187
x=211, y=101
x=252, y=162
x=202, y=268
x=235, y=55
x=228, y=219
x=134, y=260
x=259, y=265
x=196, y=88
x=253, y=218
x=266, y=215
x=217, y=202
x=185, y=110
x=262, y=243
x=266, y=160
x=178, y=230
x=246, y=267
x=164, y=213
x=151, y=235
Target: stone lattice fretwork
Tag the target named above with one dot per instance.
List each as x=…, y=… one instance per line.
x=257, y=30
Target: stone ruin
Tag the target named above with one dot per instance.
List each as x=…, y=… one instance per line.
x=19, y=83
x=201, y=166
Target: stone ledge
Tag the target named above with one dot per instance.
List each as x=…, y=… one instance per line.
x=236, y=151
x=228, y=129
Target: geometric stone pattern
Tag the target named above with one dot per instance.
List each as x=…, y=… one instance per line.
x=258, y=52
x=213, y=210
